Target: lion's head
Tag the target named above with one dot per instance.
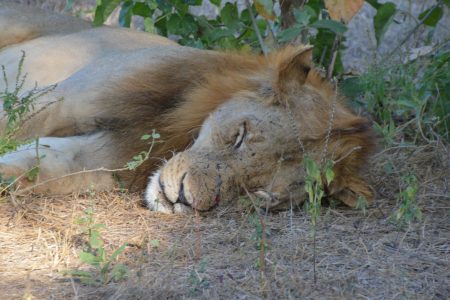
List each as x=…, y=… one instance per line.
x=255, y=141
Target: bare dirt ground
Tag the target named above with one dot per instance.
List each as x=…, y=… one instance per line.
x=216, y=256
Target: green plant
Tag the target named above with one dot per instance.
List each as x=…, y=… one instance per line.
x=103, y=266
x=260, y=234
x=314, y=186
x=408, y=102
x=256, y=27
x=16, y=105
x=140, y=158
x=229, y=29
x=408, y=210
x=197, y=280
x=361, y=204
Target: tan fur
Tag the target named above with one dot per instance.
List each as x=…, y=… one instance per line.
x=129, y=83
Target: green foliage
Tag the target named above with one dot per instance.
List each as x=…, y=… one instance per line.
x=432, y=16
x=196, y=279
x=361, y=204
x=140, y=158
x=103, y=266
x=383, y=19
x=230, y=29
x=16, y=104
x=408, y=210
x=386, y=12
x=261, y=232
x=314, y=185
x=408, y=102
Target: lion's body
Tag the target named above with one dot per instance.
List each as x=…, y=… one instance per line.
x=118, y=85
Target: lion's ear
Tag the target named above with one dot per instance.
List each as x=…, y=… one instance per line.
x=293, y=66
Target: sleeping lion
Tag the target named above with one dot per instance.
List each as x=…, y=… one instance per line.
x=230, y=124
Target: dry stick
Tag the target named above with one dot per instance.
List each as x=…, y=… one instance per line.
x=255, y=27
x=413, y=30
x=334, y=51
x=330, y=126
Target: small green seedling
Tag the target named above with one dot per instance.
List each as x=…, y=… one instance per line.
x=140, y=158
x=103, y=266
x=314, y=186
x=408, y=211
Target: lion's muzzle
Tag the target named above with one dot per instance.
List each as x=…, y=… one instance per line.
x=189, y=181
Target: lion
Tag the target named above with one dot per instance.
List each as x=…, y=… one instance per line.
x=230, y=123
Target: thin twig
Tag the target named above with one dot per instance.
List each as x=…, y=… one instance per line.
x=330, y=127
x=356, y=148
x=255, y=28
x=334, y=53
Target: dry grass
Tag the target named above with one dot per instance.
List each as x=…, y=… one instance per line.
x=215, y=256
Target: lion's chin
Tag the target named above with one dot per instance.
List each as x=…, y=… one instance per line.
x=157, y=201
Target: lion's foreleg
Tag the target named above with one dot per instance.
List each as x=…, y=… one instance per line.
x=62, y=165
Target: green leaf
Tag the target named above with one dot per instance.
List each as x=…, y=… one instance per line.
x=126, y=12
x=334, y=26
x=149, y=26
x=119, y=272
x=305, y=15
x=434, y=17
x=95, y=239
x=312, y=169
x=89, y=258
x=289, y=34
x=383, y=19
x=193, y=2
x=219, y=33
x=230, y=16
x=361, y=204
x=117, y=252
x=104, y=10
x=216, y=2
x=374, y=3
x=33, y=173
x=329, y=173
x=144, y=10
x=77, y=273
x=188, y=26
x=173, y=24
x=145, y=137
x=352, y=87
